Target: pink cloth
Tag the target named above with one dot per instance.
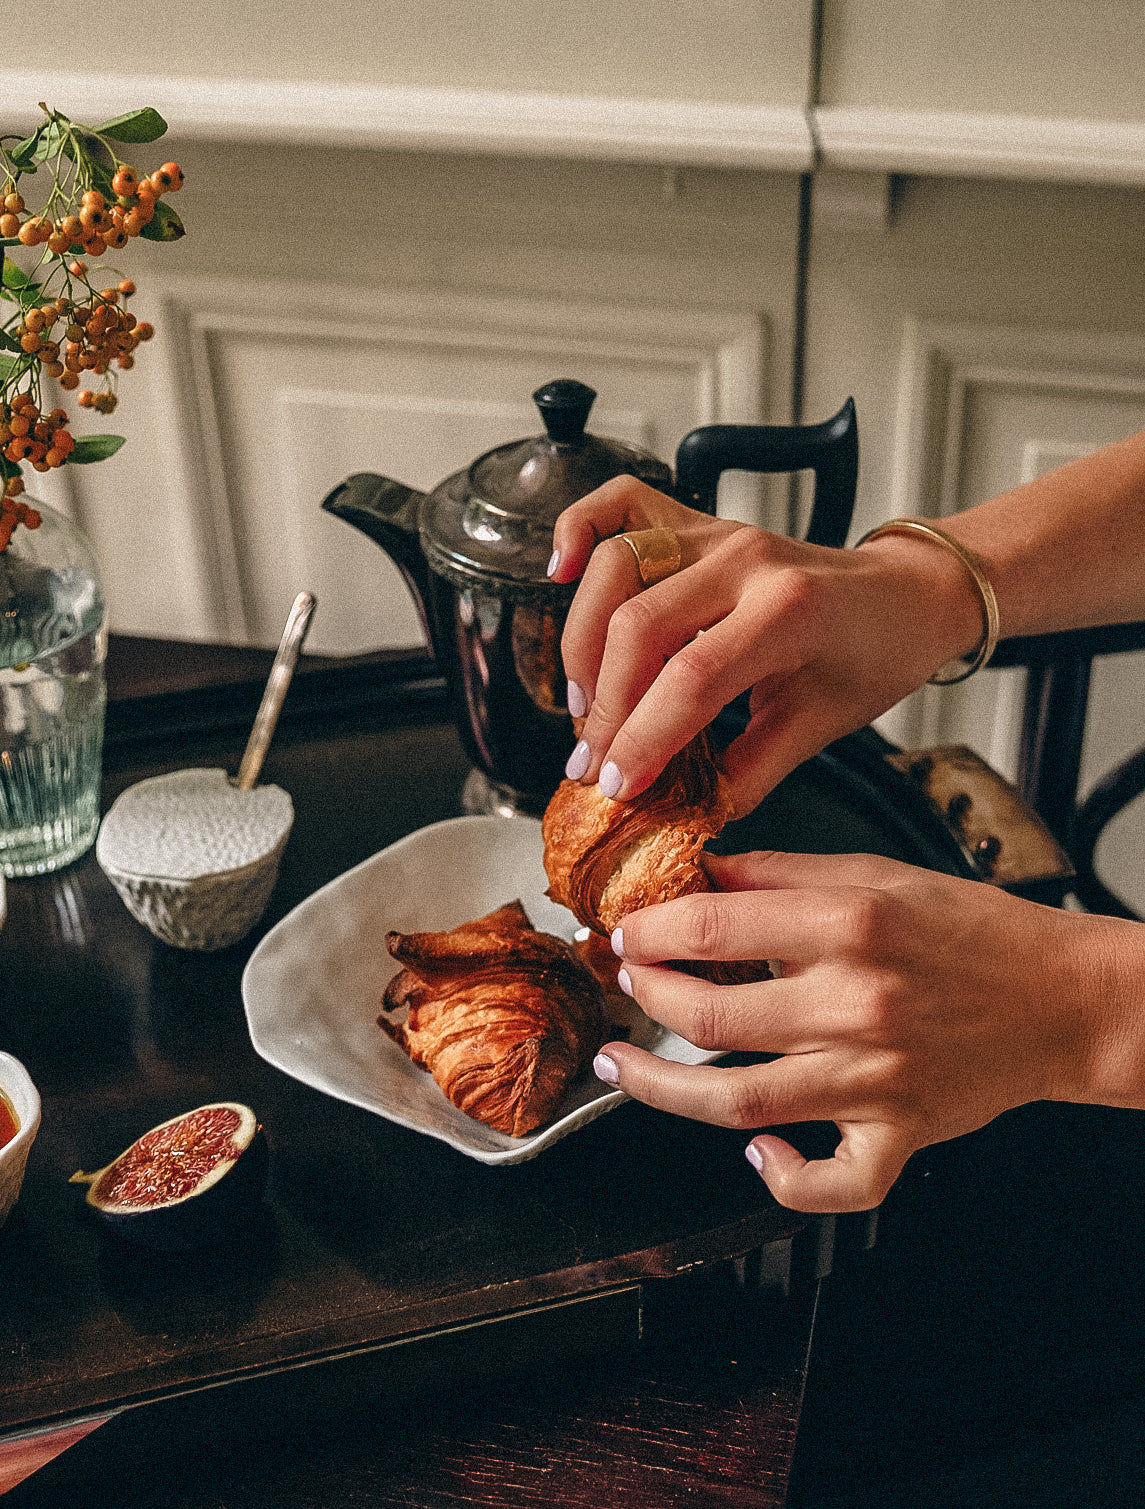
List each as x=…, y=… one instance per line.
x=22, y=1456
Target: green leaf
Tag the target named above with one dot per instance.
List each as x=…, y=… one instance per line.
x=135, y=126
x=52, y=139
x=9, y=241
x=9, y=342
x=8, y=468
x=164, y=226
x=24, y=153
x=101, y=179
x=17, y=281
x=95, y=157
x=19, y=287
x=89, y=448
x=8, y=365
x=95, y=150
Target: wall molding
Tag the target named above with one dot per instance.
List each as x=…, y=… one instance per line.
x=943, y=369
x=293, y=111
x=941, y=363
x=672, y=132
x=969, y=145
x=722, y=353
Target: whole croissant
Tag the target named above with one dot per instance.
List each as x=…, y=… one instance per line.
x=502, y=1016
x=605, y=859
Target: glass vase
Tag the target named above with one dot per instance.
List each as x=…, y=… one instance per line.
x=52, y=696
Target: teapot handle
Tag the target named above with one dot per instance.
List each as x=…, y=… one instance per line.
x=830, y=449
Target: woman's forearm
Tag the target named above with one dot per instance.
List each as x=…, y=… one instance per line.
x=1068, y=550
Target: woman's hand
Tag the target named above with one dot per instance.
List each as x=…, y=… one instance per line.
x=826, y=639
x=912, y=1007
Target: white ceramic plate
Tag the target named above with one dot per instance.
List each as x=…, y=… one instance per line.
x=313, y=986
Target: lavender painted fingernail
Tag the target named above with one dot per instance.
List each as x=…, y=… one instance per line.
x=618, y=942
x=554, y=562
x=610, y=779
x=578, y=761
x=754, y=1157
x=624, y=980
x=604, y=1068
x=577, y=701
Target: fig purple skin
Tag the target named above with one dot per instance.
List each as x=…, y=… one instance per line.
x=186, y=1181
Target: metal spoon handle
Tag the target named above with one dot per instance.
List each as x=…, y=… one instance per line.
x=266, y=719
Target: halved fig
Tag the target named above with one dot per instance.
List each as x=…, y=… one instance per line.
x=178, y=1182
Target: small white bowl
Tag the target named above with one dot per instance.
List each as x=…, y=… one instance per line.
x=16, y=1083
x=192, y=857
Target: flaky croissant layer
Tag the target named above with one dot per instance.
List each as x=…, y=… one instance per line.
x=502, y=1016
x=605, y=859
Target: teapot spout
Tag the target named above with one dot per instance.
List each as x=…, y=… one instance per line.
x=388, y=512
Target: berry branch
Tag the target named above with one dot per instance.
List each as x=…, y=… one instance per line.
x=63, y=324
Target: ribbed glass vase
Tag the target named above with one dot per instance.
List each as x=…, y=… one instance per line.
x=52, y=696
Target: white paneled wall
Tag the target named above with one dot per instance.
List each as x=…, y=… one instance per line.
x=414, y=386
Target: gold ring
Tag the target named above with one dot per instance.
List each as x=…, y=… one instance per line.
x=657, y=553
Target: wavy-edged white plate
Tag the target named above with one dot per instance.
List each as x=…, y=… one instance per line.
x=312, y=988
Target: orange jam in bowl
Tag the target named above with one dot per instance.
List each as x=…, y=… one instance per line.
x=9, y=1125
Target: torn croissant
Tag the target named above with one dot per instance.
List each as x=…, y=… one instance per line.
x=502, y=1016
x=605, y=859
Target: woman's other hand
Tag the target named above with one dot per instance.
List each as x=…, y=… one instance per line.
x=826, y=639
x=912, y=1007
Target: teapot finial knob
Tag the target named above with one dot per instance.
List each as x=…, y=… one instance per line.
x=564, y=405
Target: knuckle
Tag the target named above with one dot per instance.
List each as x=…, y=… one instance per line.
x=695, y=670
x=706, y=1026
x=875, y=1185
x=635, y=619
x=702, y=929
x=753, y=547
x=794, y=591
x=868, y=1189
x=863, y=923
x=617, y=489
x=746, y=1105
x=874, y=1007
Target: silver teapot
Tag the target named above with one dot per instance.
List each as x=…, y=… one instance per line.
x=474, y=553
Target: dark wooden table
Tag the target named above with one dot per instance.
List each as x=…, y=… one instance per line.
x=405, y=1268
x=989, y=1351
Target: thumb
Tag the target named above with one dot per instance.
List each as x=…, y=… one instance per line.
x=866, y=1163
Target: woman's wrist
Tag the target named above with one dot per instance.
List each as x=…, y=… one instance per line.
x=935, y=596
x=1104, y=985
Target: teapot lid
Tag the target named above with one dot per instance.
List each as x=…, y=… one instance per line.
x=495, y=519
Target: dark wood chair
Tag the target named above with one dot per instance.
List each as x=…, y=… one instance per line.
x=1059, y=667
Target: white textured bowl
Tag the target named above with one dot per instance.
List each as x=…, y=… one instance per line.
x=16, y=1083
x=194, y=859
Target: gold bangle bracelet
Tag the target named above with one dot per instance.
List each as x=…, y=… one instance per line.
x=976, y=568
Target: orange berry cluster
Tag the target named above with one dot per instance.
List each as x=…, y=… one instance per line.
x=14, y=510
x=96, y=226
x=28, y=435
x=95, y=335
